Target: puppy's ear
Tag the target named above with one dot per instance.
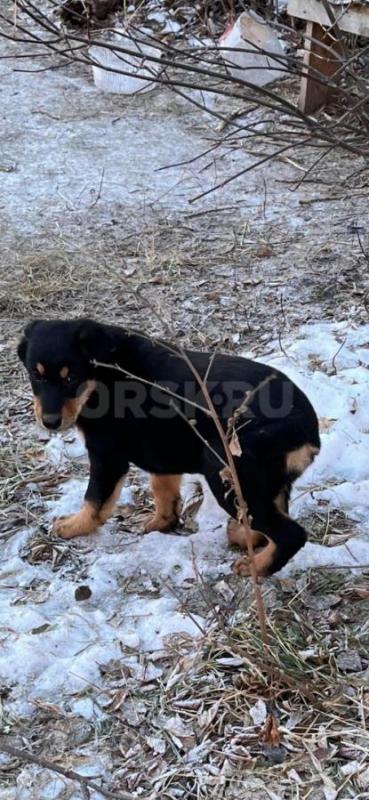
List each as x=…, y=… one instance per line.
x=97, y=342
x=23, y=344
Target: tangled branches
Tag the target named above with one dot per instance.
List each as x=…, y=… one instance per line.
x=199, y=73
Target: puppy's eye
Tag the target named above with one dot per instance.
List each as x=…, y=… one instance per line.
x=70, y=378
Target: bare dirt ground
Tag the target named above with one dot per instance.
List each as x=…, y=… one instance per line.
x=90, y=225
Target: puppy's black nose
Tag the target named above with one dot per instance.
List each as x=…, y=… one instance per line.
x=52, y=421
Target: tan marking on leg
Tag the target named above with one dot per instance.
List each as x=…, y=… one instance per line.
x=165, y=489
x=237, y=535
x=89, y=519
x=37, y=409
x=40, y=368
x=73, y=406
x=64, y=372
x=281, y=502
x=263, y=561
x=298, y=460
x=86, y=521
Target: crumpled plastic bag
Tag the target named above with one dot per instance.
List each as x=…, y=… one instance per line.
x=135, y=63
x=247, y=37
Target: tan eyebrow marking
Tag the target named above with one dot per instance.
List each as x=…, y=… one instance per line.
x=64, y=372
x=40, y=368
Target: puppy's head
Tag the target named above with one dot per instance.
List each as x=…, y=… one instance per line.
x=59, y=359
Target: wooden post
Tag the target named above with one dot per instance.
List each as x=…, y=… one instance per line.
x=313, y=95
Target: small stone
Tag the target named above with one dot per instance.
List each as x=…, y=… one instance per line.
x=82, y=593
x=276, y=755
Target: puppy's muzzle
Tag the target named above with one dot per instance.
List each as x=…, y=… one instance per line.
x=52, y=421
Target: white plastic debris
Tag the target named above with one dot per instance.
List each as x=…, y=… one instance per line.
x=250, y=35
x=136, y=63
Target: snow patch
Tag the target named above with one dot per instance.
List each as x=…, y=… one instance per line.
x=60, y=450
x=329, y=361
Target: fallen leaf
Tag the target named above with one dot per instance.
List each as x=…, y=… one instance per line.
x=325, y=423
x=329, y=791
x=295, y=777
x=181, y=734
x=321, y=602
x=42, y=628
x=264, y=251
x=157, y=744
x=349, y=661
x=225, y=475
x=258, y=712
x=206, y=717
x=350, y=768
x=235, y=446
x=363, y=779
x=224, y=590
x=271, y=735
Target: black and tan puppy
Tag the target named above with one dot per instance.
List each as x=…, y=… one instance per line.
x=148, y=410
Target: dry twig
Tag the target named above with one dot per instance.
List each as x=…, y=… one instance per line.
x=70, y=774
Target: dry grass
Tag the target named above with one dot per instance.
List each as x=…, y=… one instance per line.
x=210, y=700
x=200, y=730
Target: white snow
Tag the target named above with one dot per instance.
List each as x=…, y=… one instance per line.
x=59, y=450
x=53, y=645
x=54, y=649
x=75, y=150
x=329, y=362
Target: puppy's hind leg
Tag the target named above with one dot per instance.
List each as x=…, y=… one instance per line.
x=285, y=537
x=270, y=520
x=226, y=498
x=237, y=535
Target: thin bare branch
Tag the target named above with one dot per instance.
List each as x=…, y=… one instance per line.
x=70, y=774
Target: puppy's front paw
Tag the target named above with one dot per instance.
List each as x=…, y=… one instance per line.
x=157, y=522
x=81, y=524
